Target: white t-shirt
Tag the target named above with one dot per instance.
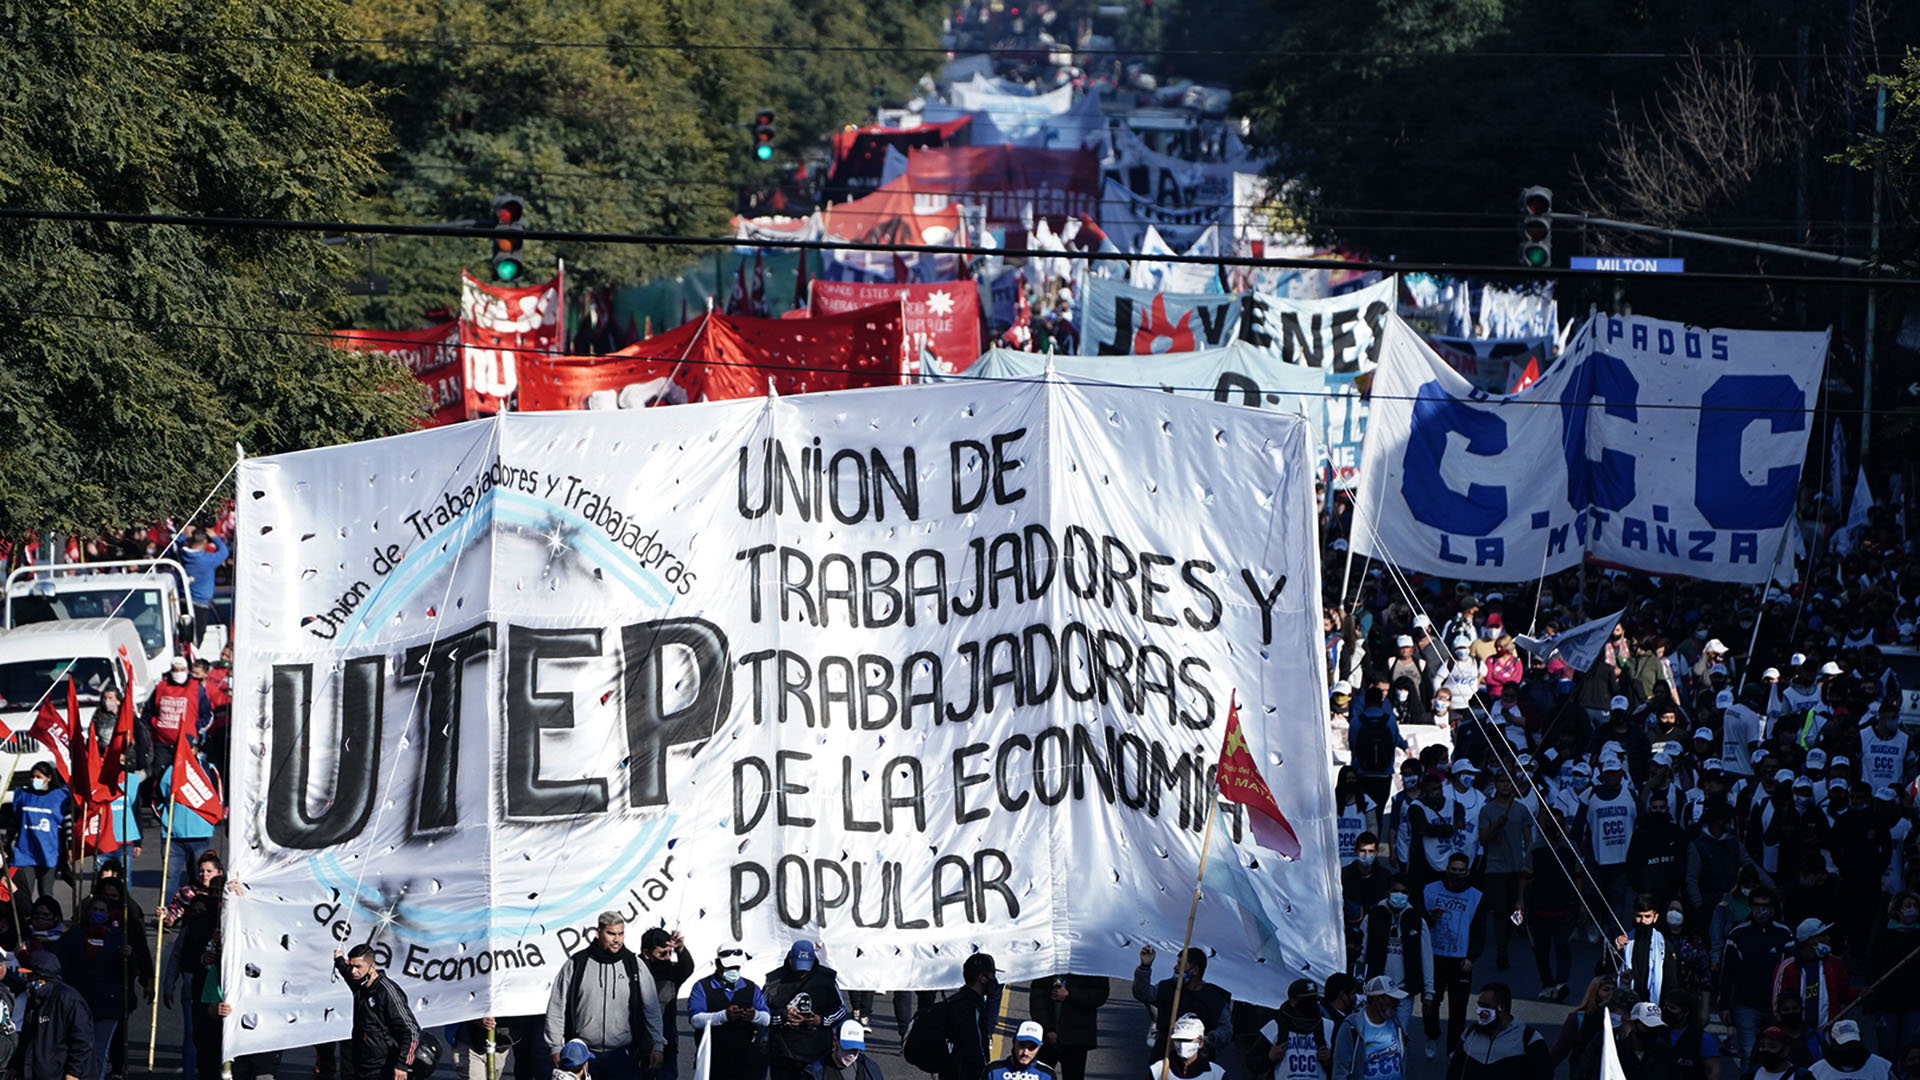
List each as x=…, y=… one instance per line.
x=1302, y=1059
x=1610, y=825
x=1466, y=839
x=1382, y=1050
x=1739, y=732
x=1883, y=762
x=1354, y=819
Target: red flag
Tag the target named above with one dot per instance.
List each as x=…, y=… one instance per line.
x=1527, y=377
x=759, y=305
x=113, y=771
x=50, y=729
x=801, y=296
x=1240, y=781
x=6, y=886
x=96, y=836
x=192, y=787
x=737, y=301
x=84, y=755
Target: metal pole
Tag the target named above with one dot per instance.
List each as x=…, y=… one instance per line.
x=1709, y=238
x=1873, y=295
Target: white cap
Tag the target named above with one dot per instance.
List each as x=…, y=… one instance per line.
x=853, y=1036
x=1648, y=1014
x=1703, y=733
x=1619, y=702
x=1580, y=768
x=1770, y=673
x=1810, y=929
x=1803, y=782
x=1463, y=767
x=1662, y=759
x=1378, y=986
x=1342, y=687
x=1846, y=1031
x=1829, y=668
x=1836, y=784
x=1715, y=646
x=1723, y=700
x=1404, y=641
x=1609, y=763
x=1190, y=1027
x=1712, y=764
x=179, y=663
x=1796, y=659
x=1783, y=776
x=1817, y=758
x=1031, y=1032
x=1839, y=760
x=1885, y=793
x=1759, y=755
x=1422, y=620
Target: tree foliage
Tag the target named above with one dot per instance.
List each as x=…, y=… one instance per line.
x=138, y=356
x=1896, y=153
x=627, y=119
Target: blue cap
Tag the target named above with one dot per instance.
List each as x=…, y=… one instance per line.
x=575, y=1054
x=801, y=956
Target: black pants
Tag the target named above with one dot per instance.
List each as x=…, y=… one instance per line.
x=1552, y=947
x=1070, y=1062
x=1453, y=981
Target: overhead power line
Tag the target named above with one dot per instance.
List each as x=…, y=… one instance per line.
x=98, y=217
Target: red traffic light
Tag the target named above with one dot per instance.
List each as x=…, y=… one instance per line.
x=1536, y=201
x=508, y=209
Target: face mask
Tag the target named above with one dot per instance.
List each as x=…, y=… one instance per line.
x=1484, y=1016
x=1189, y=977
x=1397, y=901
x=1910, y=914
x=1675, y=918
x=1773, y=1062
x=730, y=975
x=39, y=783
x=1802, y=803
x=1823, y=950
x=97, y=918
x=177, y=678
x=1186, y=1048
x=1365, y=859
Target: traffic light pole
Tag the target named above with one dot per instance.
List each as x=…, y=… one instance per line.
x=1709, y=238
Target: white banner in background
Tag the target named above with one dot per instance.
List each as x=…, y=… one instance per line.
x=1339, y=333
x=913, y=672
x=1658, y=446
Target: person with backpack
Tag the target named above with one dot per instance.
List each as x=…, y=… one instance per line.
x=1304, y=1047
x=949, y=1037
x=806, y=1006
x=604, y=997
x=1373, y=737
x=1497, y=1045
x=1394, y=945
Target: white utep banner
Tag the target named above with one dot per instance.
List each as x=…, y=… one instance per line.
x=1658, y=446
x=912, y=672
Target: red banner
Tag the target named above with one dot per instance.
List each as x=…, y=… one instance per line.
x=192, y=787
x=52, y=731
x=432, y=353
x=943, y=318
x=717, y=357
x=860, y=154
x=893, y=215
x=1011, y=182
x=503, y=327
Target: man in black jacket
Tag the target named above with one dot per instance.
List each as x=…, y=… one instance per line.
x=1657, y=854
x=969, y=1019
x=385, y=1035
x=806, y=1007
x=671, y=965
x=1212, y=1004
x=56, y=1035
x=1753, y=950
x=1067, y=1008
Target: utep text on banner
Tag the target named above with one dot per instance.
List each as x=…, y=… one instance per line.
x=912, y=672
x=1653, y=445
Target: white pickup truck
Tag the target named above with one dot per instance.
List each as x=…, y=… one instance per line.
x=35, y=661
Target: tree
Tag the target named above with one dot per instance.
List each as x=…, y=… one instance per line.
x=138, y=356
x=605, y=115
x=1896, y=153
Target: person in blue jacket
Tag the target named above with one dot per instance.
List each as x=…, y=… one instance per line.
x=201, y=553
x=729, y=1011
x=41, y=819
x=192, y=834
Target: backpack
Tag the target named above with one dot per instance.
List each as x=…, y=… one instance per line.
x=1372, y=742
x=925, y=1044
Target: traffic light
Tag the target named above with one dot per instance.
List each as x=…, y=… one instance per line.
x=1536, y=227
x=507, y=212
x=763, y=134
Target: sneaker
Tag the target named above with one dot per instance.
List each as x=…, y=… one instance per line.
x=1545, y=994
x=1433, y=1052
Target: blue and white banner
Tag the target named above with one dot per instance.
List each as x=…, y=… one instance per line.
x=1579, y=647
x=1340, y=334
x=1653, y=445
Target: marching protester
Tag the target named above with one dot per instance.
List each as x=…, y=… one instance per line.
x=806, y=1007
x=1371, y=1044
x=1067, y=1009
x=1458, y=920
x=1396, y=946
x=1754, y=950
x=1186, y=1054
x=1023, y=1062
x=1303, y=1046
x=669, y=965
x=1211, y=1004
x=966, y=1019
x=602, y=997
x=1815, y=974
x=40, y=818
x=1848, y=1058
x=730, y=1012
x=57, y=1034
x=385, y=1035
x=848, y=1059
x=1895, y=972
x=1496, y=1046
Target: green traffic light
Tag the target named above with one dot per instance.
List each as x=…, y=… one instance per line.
x=506, y=269
x=763, y=152
x=1537, y=257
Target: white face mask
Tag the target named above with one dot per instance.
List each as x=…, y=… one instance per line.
x=1484, y=1016
x=1186, y=1048
x=178, y=678
x=1675, y=918
x=731, y=975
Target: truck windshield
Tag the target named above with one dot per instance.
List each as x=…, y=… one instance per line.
x=24, y=683
x=143, y=606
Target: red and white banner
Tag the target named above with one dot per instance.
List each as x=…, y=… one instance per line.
x=943, y=318
x=717, y=357
x=192, y=787
x=432, y=353
x=504, y=326
x=1013, y=183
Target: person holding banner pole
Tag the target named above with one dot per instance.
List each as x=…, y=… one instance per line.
x=187, y=783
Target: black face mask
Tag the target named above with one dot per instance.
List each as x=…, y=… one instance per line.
x=1774, y=1062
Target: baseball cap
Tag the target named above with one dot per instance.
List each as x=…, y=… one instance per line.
x=1838, y=760
x=1404, y=641
x=1610, y=764
x=1770, y=673
x=1580, y=768
x=1712, y=764
x=1422, y=620
x=854, y=1037
x=575, y=1054
x=1030, y=1032
x=1829, y=668
x=1704, y=732
x=1303, y=988
x=1463, y=767
x=1188, y=1027
x=1796, y=659
x=179, y=663
x=801, y=956
x=1816, y=758
x=1723, y=700
x=1810, y=929
x=1803, y=782
x=1776, y=1033
x=1759, y=755
x=1837, y=784
x=1785, y=776
x=1717, y=669
x=1381, y=986
x=1342, y=687
x=1846, y=1031
x=1885, y=794
x=1714, y=646
x=1619, y=702
x=1663, y=758
x=1648, y=1014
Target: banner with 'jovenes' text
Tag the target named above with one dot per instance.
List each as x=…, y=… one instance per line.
x=1654, y=445
x=912, y=672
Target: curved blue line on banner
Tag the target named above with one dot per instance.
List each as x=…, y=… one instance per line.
x=461, y=924
x=511, y=507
